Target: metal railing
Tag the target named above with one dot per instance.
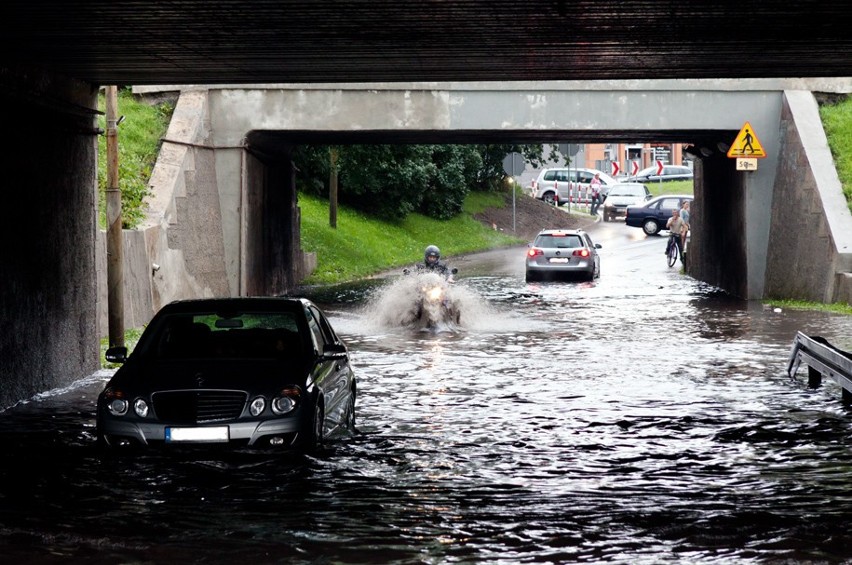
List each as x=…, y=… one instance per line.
x=823, y=360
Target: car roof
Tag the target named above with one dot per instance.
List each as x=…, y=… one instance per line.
x=253, y=303
x=586, y=169
x=661, y=196
x=567, y=168
x=561, y=232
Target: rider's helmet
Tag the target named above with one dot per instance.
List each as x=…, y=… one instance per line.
x=432, y=256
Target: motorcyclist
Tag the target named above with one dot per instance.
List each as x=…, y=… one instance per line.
x=432, y=263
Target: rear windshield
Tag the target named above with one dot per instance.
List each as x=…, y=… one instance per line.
x=559, y=241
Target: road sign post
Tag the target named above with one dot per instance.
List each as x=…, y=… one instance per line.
x=513, y=165
x=569, y=150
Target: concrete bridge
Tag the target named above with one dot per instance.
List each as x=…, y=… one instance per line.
x=751, y=228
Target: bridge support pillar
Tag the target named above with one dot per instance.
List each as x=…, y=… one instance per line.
x=272, y=254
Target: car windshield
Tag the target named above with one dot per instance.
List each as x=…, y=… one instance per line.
x=622, y=190
x=233, y=335
x=562, y=241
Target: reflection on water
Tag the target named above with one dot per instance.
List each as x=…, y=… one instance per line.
x=616, y=421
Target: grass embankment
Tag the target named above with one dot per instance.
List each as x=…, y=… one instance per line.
x=139, y=140
x=837, y=122
x=671, y=187
x=362, y=245
x=835, y=308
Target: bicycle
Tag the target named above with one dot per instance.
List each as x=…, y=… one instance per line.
x=673, y=250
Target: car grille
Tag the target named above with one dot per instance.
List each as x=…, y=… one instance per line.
x=199, y=406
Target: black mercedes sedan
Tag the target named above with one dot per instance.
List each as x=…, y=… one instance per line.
x=244, y=372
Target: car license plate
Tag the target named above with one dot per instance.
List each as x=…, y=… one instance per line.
x=559, y=260
x=216, y=434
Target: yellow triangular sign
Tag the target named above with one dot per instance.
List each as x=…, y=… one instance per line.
x=746, y=144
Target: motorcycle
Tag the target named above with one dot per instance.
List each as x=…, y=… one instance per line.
x=434, y=307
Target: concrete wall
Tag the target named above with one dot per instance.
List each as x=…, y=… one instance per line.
x=137, y=272
x=202, y=237
x=183, y=227
x=48, y=326
x=810, y=248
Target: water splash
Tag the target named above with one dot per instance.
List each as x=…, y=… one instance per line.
x=394, y=305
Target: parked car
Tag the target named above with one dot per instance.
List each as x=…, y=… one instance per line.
x=620, y=196
x=670, y=172
x=560, y=252
x=566, y=183
x=653, y=215
x=242, y=372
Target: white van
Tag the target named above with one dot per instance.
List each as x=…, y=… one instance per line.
x=564, y=184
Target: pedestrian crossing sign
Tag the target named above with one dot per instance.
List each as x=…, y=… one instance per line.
x=746, y=144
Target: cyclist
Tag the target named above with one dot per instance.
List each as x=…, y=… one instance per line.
x=676, y=227
x=684, y=215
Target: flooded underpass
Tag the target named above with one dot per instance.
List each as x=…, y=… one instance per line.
x=641, y=418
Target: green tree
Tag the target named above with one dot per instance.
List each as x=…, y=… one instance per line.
x=456, y=170
x=387, y=181
x=391, y=181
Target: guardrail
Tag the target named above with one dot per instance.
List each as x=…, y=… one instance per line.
x=823, y=360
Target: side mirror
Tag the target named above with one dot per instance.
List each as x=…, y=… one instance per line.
x=334, y=351
x=598, y=246
x=116, y=354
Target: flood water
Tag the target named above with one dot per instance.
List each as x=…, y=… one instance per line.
x=641, y=418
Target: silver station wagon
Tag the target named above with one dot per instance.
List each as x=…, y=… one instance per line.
x=562, y=253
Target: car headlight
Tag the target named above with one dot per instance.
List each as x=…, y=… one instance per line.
x=257, y=406
x=287, y=400
x=117, y=407
x=115, y=402
x=141, y=408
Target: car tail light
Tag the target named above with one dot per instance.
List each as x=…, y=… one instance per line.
x=535, y=251
x=581, y=253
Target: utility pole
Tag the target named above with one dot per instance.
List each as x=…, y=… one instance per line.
x=332, y=187
x=115, y=275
